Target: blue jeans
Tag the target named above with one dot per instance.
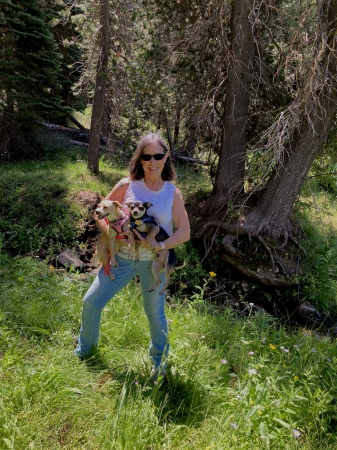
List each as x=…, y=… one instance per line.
x=103, y=289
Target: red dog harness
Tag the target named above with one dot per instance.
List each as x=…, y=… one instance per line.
x=118, y=227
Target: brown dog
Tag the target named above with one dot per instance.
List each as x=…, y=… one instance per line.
x=147, y=227
x=117, y=228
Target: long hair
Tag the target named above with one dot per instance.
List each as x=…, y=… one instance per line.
x=136, y=169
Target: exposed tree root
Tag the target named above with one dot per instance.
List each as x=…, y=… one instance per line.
x=267, y=254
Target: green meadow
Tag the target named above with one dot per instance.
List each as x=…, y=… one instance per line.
x=234, y=382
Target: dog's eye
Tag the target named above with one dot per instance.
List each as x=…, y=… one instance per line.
x=141, y=208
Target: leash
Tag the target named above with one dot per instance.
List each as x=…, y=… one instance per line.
x=107, y=265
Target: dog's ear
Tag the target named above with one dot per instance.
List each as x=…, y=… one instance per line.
x=148, y=205
x=117, y=204
x=128, y=204
x=100, y=197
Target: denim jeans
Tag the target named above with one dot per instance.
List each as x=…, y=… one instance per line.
x=103, y=289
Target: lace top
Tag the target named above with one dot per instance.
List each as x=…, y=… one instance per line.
x=162, y=202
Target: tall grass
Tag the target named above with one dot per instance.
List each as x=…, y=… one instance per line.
x=233, y=383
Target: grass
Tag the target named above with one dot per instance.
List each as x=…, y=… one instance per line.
x=233, y=382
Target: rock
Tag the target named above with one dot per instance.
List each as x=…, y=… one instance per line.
x=67, y=259
x=333, y=332
x=306, y=309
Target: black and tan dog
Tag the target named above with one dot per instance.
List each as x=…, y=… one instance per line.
x=147, y=227
x=117, y=228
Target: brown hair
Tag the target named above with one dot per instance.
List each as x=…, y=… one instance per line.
x=136, y=168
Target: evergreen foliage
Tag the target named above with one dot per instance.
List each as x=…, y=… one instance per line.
x=29, y=84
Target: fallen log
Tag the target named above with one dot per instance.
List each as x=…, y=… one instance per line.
x=77, y=123
x=79, y=135
x=192, y=160
x=86, y=144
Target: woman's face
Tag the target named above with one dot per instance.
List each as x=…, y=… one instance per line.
x=153, y=166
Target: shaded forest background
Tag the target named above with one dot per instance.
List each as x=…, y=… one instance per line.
x=245, y=88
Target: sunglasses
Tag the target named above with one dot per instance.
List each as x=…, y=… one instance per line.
x=157, y=157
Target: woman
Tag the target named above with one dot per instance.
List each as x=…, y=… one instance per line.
x=151, y=171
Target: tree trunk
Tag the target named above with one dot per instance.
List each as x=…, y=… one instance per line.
x=319, y=106
x=268, y=221
x=168, y=130
x=272, y=211
x=176, y=125
x=192, y=141
x=231, y=168
x=100, y=88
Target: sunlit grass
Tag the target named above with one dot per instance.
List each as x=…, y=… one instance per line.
x=233, y=382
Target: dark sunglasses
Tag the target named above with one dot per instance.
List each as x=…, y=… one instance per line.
x=157, y=157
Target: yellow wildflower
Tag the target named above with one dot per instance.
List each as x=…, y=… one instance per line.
x=295, y=378
x=212, y=274
x=272, y=347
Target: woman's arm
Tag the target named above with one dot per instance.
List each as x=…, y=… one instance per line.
x=181, y=223
x=119, y=190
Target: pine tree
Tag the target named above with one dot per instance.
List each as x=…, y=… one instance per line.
x=29, y=67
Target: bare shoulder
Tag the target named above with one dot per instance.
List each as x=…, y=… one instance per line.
x=124, y=182
x=119, y=190
x=177, y=194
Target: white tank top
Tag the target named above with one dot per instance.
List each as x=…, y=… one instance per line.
x=162, y=202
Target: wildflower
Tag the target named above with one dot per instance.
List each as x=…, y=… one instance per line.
x=251, y=304
x=234, y=425
x=224, y=361
x=136, y=383
x=329, y=360
x=285, y=350
x=252, y=372
x=296, y=346
x=296, y=433
x=295, y=378
x=251, y=402
x=212, y=274
x=51, y=268
x=259, y=412
x=314, y=350
x=202, y=336
x=251, y=353
x=272, y=347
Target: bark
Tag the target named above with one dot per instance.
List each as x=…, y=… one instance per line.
x=268, y=221
x=176, y=125
x=271, y=213
x=168, y=130
x=100, y=88
x=230, y=171
x=192, y=141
